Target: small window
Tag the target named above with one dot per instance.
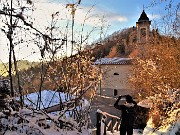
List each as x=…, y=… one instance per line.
x=116, y=73
x=143, y=32
x=115, y=92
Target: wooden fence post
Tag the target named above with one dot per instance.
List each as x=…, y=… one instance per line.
x=111, y=127
x=98, y=123
x=103, y=125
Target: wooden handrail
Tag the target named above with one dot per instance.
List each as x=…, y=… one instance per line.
x=112, y=126
x=107, y=114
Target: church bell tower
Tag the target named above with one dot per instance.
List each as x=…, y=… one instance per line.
x=143, y=28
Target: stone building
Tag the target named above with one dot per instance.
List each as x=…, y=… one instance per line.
x=115, y=73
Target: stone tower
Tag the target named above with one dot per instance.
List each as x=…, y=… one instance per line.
x=143, y=28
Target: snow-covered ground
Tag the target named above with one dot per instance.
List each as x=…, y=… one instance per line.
x=135, y=132
x=170, y=129
x=30, y=122
x=48, y=98
x=149, y=130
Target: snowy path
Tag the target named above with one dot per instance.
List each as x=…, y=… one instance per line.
x=135, y=132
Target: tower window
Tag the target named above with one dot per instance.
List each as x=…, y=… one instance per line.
x=116, y=73
x=115, y=92
x=143, y=32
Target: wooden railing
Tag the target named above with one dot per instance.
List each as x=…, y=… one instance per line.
x=107, y=123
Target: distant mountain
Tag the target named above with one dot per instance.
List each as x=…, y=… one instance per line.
x=22, y=65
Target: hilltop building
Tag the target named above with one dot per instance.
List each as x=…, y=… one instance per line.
x=116, y=71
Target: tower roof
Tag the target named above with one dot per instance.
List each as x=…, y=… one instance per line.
x=143, y=17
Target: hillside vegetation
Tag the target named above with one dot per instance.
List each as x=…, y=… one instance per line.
x=22, y=65
x=119, y=44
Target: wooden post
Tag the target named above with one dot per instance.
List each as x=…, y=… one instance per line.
x=98, y=123
x=103, y=125
x=112, y=125
x=105, y=129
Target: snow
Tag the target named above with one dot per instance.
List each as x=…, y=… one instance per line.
x=115, y=60
x=168, y=130
x=48, y=98
x=149, y=130
x=135, y=132
x=35, y=122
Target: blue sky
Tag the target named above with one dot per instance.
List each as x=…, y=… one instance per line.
x=130, y=10
x=117, y=15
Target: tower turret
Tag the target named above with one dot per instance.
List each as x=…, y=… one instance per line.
x=143, y=28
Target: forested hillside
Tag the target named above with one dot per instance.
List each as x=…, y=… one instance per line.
x=120, y=44
x=124, y=43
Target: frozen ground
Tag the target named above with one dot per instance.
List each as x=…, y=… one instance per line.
x=50, y=98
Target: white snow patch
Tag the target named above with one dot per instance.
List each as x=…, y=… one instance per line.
x=48, y=98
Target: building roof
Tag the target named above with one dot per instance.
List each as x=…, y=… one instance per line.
x=114, y=61
x=143, y=17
